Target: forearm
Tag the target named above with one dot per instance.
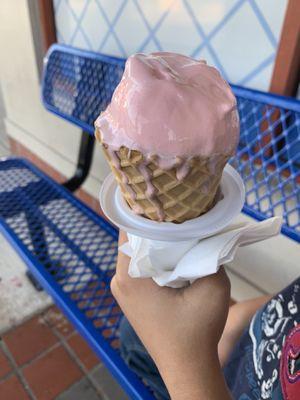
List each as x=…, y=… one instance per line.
x=194, y=380
x=239, y=316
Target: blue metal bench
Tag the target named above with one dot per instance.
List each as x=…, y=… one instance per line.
x=71, y=250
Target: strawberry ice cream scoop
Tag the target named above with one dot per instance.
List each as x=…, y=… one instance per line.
x=171, y=105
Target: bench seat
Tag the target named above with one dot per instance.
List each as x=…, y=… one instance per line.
x=72, y=252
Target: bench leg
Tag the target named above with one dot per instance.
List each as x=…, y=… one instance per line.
x=40, y=248
x=83, y=163
x=35, y=283
x=39, y=244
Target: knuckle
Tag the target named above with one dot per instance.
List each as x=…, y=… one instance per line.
x=118, y=285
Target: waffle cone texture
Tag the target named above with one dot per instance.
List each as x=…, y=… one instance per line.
x=171, y=199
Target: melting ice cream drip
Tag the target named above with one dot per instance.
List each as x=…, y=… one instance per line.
x=116, y=163
x=151, y=191
x=182, y=170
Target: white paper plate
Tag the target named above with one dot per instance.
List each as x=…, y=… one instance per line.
x=220, y=216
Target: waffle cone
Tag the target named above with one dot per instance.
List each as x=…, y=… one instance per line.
x=178, y=200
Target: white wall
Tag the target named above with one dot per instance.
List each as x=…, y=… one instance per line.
x=239, y=37
x=52, y=139
x=4, y=147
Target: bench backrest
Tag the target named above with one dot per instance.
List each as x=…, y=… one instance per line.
x=78, y=84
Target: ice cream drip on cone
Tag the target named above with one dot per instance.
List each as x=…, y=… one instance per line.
x=157, y=193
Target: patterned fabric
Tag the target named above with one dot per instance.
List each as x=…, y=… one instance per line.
x=253, y=371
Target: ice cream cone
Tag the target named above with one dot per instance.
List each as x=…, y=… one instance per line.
x=157, y=193
x=167, y=134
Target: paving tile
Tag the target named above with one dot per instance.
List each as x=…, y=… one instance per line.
x=83, y=351
x=29, y=340
x=5, y=366
x=55, y=319
x=12, y=389
x=51, y=374
x=109, y=385
x=82, y=390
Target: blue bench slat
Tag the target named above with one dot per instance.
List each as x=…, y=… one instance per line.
x=78, y=84
x=77, y=263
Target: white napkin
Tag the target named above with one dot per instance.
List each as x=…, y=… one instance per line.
x=176, y=264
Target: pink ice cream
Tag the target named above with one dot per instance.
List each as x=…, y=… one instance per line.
x=172, y=106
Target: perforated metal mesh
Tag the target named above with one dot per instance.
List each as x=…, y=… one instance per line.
x=268, y=159
x=77, y=249
x=78, y=84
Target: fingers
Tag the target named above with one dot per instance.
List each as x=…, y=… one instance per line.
x=122, y=278
x=121, y=274
x=123, y=260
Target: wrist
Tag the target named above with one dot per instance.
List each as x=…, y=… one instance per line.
x=194, y=378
